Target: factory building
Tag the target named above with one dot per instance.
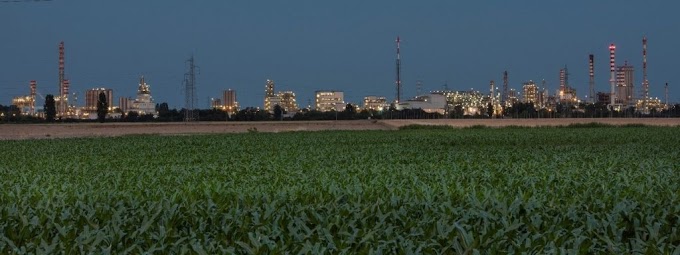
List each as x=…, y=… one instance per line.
x=143, y=104
x=625, y=85
x=230, y=105
x=329, y=100
x=92, y=96
x=287, y=101
x=530, y=93
x=375, y=103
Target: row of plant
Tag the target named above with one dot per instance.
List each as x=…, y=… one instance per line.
x=434, y=191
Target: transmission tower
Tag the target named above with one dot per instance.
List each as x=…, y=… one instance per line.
x=190, y=91
x=398, y=63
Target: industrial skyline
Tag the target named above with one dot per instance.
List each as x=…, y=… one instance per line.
x=441, y=44
x=621, y=96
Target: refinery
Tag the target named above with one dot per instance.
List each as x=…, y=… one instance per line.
x=622, y=94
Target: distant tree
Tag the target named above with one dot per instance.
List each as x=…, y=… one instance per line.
x=349, y=112
x=458, y=112
x=131, y=116
x=278, y=112
x=489, y=110
x=50, y=108
x=102, y=107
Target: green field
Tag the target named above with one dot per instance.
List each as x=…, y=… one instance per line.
x=612, y=190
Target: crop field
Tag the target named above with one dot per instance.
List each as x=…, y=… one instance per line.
x=565, y=190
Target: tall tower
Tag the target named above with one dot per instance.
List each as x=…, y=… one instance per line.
x=591, y=82
x=504, y=97
x=645, y=82
x=492, y=85
x=268, y=95
x=63, y=87
x=563, y=80
x=398, y=82
x=190, y=91
x=33, y=86
x=612, y=71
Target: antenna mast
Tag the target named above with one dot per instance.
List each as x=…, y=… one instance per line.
x=398, y=71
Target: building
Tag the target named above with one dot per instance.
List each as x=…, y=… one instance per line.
x=603, y=97
x=375, y=103
x=269, y=96
x=230, y=105
x=530, y=92
x=329, y=100
x=432, y=103
x=625, y=85
x=471, y=101
x=124, y=104
x=92, y=96
x=143, y=104
x=216, y=103
x=513, y=98
x=287, y=101
x=25, y=104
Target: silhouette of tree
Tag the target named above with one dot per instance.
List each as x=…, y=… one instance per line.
x=278, y=112
x=50, y=108
x=102, y=107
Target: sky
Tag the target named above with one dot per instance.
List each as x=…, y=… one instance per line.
x=309, y=45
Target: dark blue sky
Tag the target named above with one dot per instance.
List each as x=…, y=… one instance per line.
x=309, y=45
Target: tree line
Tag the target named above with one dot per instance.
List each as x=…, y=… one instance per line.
x=12, y=114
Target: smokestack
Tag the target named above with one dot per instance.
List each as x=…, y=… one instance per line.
x=591, y=83
x=612, y=70
x=645, y=82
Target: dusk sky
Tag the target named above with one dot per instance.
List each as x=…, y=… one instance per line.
x=329, y=45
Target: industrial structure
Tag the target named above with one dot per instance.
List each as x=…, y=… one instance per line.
x=375, y=103
x=190, y=92
x=269, y=96
x=504, y=96
x=398, y=82
x=591, y=80
x=287, y=101
x=645, y=81
x=567, y=94
x=621, y=95
x=230, y=104
x=625, y=84
x=329, y=100
x=612, y=74
x=530, y=93
x=284, y=99
x=92, y=96
x=144, y=103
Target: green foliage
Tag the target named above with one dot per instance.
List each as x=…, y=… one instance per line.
x=602, y=190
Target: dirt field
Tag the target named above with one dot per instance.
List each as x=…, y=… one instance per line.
x=38, y=131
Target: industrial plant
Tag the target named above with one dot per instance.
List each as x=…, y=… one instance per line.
x=622, y=95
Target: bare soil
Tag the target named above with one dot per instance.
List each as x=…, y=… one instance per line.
x=62, y=130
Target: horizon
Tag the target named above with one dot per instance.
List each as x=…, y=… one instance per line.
x=345, y=46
